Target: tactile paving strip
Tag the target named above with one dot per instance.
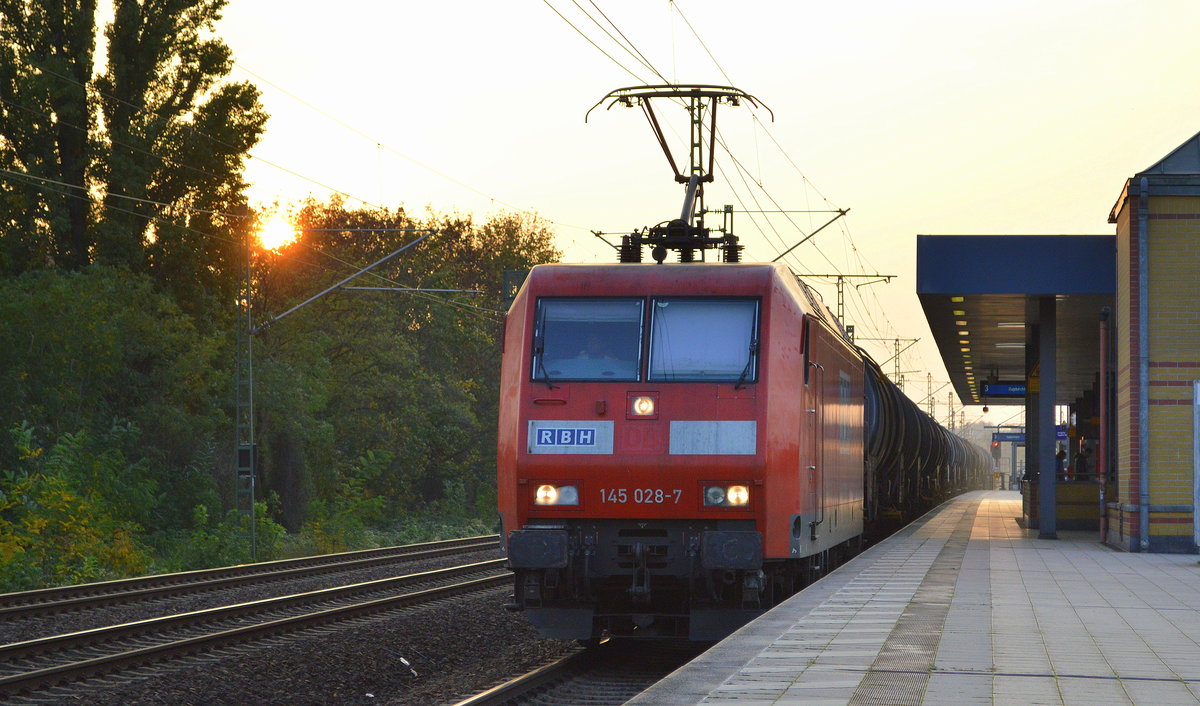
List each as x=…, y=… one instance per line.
x=902, y=669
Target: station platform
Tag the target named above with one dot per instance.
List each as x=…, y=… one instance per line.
x=964, y=606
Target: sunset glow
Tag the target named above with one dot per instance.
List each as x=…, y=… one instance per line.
x=277, y=232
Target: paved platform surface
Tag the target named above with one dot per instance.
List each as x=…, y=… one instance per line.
x=966, y=607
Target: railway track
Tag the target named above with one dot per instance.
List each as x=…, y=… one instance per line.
x=34, y=665
x=93, y=595
x=611, y=673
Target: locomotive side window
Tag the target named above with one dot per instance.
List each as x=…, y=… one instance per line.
x=588, y=339
x=704, y=339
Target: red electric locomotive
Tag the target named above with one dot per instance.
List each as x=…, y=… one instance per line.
x=671, y=439
x=683, y=446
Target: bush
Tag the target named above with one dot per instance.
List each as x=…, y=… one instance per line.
x=61, y=516
x=227, y=542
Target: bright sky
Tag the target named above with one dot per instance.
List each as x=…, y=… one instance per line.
x=1019, y=116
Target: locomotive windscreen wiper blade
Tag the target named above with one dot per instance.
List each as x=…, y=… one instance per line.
x=539, y=351
x=545, y=375
x=749, y=362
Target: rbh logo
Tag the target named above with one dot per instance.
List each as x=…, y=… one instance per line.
x=566, y=437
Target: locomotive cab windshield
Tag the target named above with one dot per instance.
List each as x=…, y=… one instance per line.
x=683, y=347
x=588, y=339
x=594, y=340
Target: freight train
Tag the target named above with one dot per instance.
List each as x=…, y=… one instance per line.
x=683, y=446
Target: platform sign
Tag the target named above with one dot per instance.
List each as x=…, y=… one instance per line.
x=1018, y=437
x=1013, y=436
x=1004, y=389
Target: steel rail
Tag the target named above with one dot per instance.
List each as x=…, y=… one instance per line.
x=97, y=636
x=609, y=673
x=107, y=664
x=526, y=683
x=52, y=600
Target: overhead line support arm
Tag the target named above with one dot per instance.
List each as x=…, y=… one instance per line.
x=317, y=296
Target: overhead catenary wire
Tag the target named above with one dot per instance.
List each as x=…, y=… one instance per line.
x=600, y=49
x=638, y=57
x=847, y=238
x=84, y=190
x=723, y=73
x=467, y=308
x=652, y=68
x=157, y=220
x=382, y=145
x=141, y=150
x=648, y=64
x=766, y=130
x=194, y=131
x=287, y=170
x=630, y=42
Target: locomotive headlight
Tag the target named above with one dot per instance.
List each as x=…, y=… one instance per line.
x=726, y=496
x=557, y=495
x=642, y=406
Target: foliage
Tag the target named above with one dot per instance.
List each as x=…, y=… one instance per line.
x=122, y=224
x=410, y=373
x=69, y=514
x=431, y=528
x=87, y=347
x=155, y=129
x=211, y=543
x=340, y=522
x=375, y=410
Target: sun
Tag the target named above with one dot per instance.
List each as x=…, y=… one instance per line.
x=276, y=232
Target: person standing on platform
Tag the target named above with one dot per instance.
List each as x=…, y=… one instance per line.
x=1081, y=464
x=1060, y=464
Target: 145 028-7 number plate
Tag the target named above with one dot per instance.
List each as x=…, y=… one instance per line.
x=653, y=496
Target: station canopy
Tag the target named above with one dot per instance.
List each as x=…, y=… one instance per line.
x=981, y=292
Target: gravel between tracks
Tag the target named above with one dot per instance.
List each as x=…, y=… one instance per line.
x=73, y=621
x=456, y=647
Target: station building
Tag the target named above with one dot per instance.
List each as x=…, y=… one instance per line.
x=1105, y=324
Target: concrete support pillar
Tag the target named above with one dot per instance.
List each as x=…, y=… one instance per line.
x=1045, y=421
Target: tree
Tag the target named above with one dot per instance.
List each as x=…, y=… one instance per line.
x=157, y=131
x=83, y=349
x=408, y=380
x=46, y=62
x=69, y=512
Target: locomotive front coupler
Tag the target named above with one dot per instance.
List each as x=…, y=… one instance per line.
x=640, y=590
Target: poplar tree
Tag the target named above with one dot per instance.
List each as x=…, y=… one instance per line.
x=121, y=160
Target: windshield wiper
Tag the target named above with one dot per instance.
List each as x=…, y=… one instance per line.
x=749, y=362
x=538, y=350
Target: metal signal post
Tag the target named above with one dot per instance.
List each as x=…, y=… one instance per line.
x=247, y=450
x=244, y=414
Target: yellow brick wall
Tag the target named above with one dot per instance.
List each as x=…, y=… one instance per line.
x=1174, y=326
x=1078, y=501
x=1170, y=455
x=1171, y=524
